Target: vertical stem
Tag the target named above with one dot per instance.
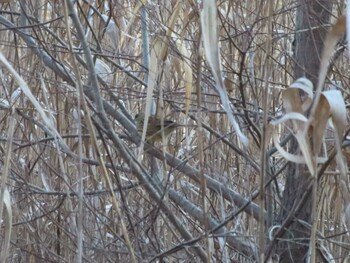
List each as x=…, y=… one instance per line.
x=314, y=218
x=265, y=104
x=200, y=145
x=145, y=40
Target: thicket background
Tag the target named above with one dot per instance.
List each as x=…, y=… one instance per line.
x=77, y=187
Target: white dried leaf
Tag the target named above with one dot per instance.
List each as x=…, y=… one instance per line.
x=290, y=116
x=339, y=120
x=103, y=71
x=211, y=49
x=4, y=104
x=297, y=158
x=15, y=94
x=305, y=85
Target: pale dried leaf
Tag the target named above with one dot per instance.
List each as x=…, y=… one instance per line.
x=44, y=181
x=131, y=21
x=15, y=94
x=293, y=105
x=339, y=121
x=210, y=36
x=293, y=157
x=4, y=104
x=325, y=251
x=304, y=145
x=24, y=87
x=331, y=40
x=188, y=76
x=292, y=99
x=158, y=55
x=172, y=19
x=103, y=70
x=319, y=125
x=177, y=63
x=211, y=49
x=290, y=116
x=295, y=109
x=303, y=84
x=338, y=109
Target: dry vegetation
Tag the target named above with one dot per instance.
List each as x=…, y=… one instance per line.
x=77, y=185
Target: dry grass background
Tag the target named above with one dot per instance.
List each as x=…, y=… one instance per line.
x=167, y=206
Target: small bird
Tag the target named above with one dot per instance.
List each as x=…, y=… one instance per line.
x=156, y=129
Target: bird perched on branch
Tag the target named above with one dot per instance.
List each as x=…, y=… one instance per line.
x=156, y=129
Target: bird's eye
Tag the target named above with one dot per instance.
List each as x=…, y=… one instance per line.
x=137, y=115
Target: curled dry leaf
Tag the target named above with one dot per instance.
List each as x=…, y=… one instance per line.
x=293, y=157
x=292, y=101
x=306, y=86
x=332, y=38
x=331, y=106
x=326, y=105
x=339, y=122
x=303, y=84
x=295, y=110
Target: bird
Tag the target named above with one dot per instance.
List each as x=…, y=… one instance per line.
x=156, y=128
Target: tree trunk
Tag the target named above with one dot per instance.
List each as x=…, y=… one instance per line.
x=312, y=19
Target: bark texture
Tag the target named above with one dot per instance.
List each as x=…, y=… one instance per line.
x=312, y=20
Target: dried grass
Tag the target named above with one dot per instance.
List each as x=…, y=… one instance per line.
x=197, y=197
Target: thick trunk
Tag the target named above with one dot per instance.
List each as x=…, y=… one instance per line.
x=312, y=19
